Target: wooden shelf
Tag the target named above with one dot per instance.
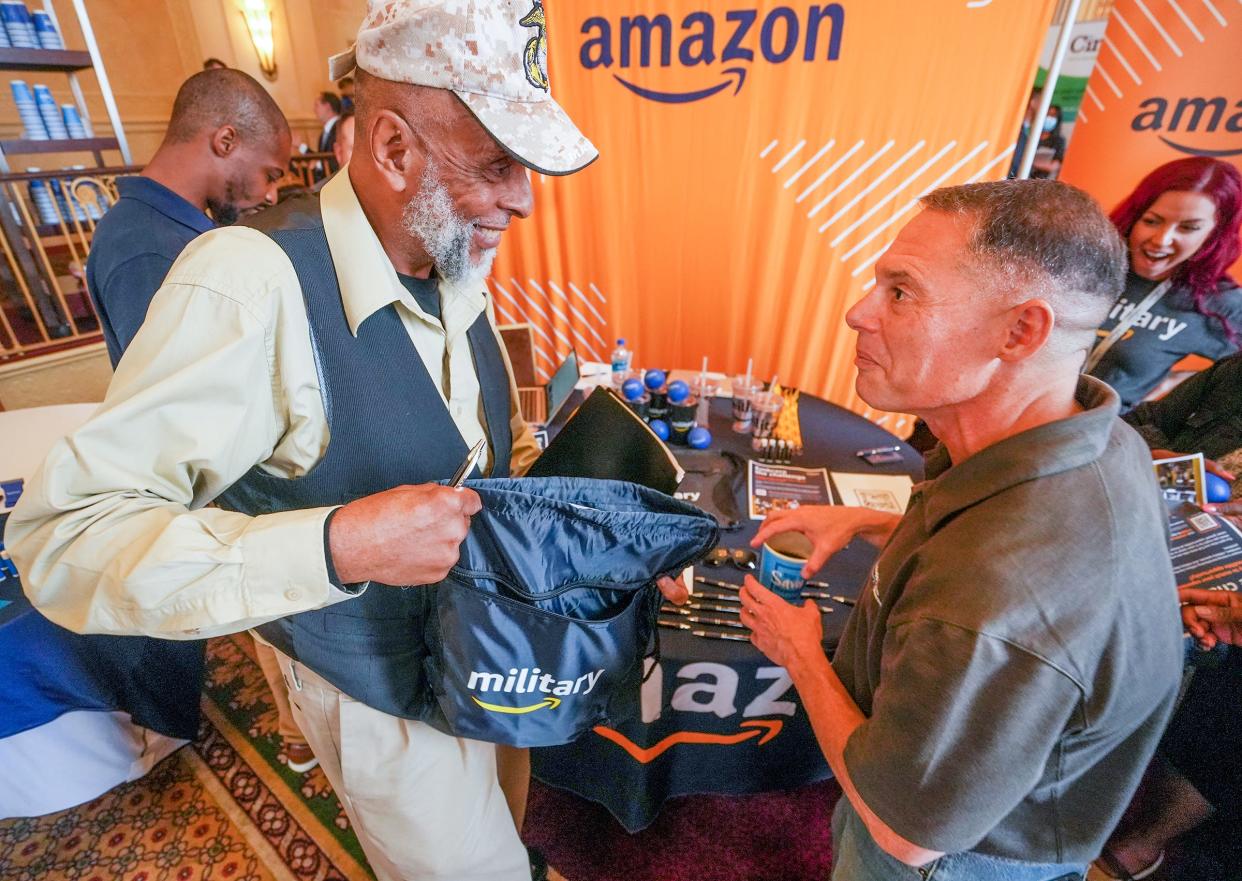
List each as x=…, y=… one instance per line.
x=64, y=145
x=44, y=60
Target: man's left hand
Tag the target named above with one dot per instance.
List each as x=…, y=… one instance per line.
x=674, y=589
x=784, y=632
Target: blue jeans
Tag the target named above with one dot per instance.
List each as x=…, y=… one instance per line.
x=856, y=857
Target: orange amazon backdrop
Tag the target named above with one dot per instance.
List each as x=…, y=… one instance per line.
x=1166, y=85
x=756, y=159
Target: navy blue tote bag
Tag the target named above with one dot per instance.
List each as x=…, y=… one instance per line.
x=539, y=632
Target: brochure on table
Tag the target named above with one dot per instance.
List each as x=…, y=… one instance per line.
x=784, y=487
x=882, y=492
x=1206, y=549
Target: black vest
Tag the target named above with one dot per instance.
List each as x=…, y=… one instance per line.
x=389, y=426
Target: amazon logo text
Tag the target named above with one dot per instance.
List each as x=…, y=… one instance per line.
x=733, y=41
x=1177, y=121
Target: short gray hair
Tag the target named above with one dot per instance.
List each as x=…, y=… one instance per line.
x=1047, y=237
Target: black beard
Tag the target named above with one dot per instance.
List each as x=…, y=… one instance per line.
x=224, y=213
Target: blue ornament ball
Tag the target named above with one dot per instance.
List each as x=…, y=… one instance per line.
x=678, y=391
x=632, y=389
x=655, y=379
x=699, y=438
x=1218, y=489
x=661, y=429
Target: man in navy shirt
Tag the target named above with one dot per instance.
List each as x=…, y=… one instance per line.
x=227, y=145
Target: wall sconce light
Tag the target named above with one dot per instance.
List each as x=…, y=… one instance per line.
x=258, y=15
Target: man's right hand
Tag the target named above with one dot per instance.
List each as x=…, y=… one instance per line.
x=1212, y=616
x=406, y=535
x=829, y=527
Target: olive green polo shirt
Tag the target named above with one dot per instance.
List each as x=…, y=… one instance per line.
x=1017, y=649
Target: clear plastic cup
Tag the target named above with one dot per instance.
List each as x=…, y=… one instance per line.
x=704, y=389
x=743, y=391
x=765, y=412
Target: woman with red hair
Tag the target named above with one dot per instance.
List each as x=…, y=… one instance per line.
x=1181, y=225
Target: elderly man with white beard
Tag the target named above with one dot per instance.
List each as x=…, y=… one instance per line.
x=315, y=376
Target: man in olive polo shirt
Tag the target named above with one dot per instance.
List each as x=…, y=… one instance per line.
x=1015, y=654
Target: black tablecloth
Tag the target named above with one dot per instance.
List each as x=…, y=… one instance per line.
x=718, y=717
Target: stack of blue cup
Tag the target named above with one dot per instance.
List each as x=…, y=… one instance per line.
x=73, y=121
x=70, y=207
x=45, y=31
x=42, y=198
x=5, y=42
x=18, y=24
x=50, y=111
x=28, y=109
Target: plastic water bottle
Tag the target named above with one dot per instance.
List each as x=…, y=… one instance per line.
x=621, y=357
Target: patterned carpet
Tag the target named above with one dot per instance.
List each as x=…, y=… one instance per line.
x=227, y=809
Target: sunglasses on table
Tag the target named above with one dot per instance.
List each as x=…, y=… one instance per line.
x=738, y=558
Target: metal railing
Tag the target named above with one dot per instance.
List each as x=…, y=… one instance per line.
x=47, y=221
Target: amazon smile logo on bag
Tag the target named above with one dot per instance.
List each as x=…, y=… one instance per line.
x=528, y=681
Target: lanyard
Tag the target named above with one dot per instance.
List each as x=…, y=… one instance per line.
x=1101, y=349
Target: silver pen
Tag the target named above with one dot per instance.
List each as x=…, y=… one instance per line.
x=467, y=466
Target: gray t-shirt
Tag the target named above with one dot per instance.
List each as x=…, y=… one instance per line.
x=1017, y=649
x=1172, y=329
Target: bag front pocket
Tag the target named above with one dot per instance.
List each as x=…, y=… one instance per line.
x=505, y=671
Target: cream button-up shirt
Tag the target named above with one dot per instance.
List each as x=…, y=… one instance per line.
x=113, y=533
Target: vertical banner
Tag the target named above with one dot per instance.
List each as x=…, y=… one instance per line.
x=756, y=160
x=1166, y=85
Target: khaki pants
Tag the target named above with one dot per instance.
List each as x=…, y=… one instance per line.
x=286, y=727
x=425, y=806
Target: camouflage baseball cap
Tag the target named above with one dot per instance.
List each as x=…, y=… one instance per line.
x=492, y=54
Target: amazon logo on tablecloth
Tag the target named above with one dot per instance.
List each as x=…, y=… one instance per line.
x=1189, y=124
x=724, y=46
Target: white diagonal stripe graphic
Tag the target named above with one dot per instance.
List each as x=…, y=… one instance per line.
x=1212, y=9
x=565, y=318
x=1090, y=94
x=790, y=155
x=1135, y=39
x=586, y=322
x=853, y=176
x=530, y=301
x=906, y=207
x=1108, y=79
x=984, y=170
x=1124, y=63
x=535, y=305
x=516, y=305
x=862, y=267
x=509, y=319
x=596, y=292
x=992, y=164
x=818, y=156
x=868, y=285
x=1190, y=25
x=823, y=177
x=1082, y=116
x=871, y=186
x=1155, y=22
x=901, y=186
x=768, y=149
x=582, y=319
x=583, y=297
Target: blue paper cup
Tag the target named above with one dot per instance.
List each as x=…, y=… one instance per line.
x=21, y=92
x=780, y=565
x=45, y=31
